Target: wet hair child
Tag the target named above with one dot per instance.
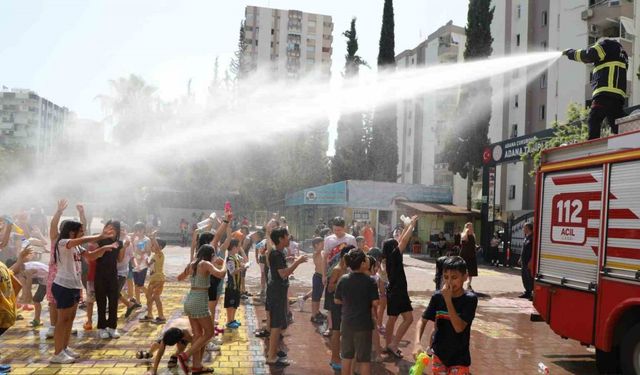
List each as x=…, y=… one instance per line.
x=452, y=310
x=357, y=292
x=67, y=284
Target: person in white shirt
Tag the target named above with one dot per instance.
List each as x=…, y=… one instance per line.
x=67, y=284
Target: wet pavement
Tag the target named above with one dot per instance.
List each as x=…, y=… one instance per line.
x=503, y=339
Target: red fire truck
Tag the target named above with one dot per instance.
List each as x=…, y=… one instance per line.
x=586, y=259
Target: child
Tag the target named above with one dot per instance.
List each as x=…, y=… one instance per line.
x=358, y=295
x=196, y=305
x=374, y=268
x=317, y=285
x=34, y=272
x=156, y=281
x=141, y=252
x=67, y=284
x=235, y=266
x=398, y=301
x=125, y=272
x=175, y=333
x=91, y=293
x=277, y=289
x=336, y=309
x=452, y=309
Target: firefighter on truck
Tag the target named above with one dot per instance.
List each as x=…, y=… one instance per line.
x=608, y=80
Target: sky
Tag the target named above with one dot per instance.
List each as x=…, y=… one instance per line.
x=68, y=50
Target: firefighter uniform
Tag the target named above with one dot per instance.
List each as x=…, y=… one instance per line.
x=608, y=80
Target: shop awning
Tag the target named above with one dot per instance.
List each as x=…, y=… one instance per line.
x=439, y=209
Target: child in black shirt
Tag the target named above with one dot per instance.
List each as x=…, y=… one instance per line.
x=452, y=309
x=277, y=288
x=357, y=292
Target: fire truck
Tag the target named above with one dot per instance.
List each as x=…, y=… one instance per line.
x=586, y=254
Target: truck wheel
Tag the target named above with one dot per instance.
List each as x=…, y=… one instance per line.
x=630, y=351
x=608, y=362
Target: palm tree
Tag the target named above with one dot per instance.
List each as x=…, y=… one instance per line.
x=130, y=108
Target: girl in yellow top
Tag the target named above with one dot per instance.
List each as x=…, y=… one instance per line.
x=156, y=281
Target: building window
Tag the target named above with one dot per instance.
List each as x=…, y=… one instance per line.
x=518, y=40
x=256, y=42
x=409, y=133
x=518, y=11
x=544, y=45
x=272, y=31
x=407, y=167
x=515, y=101
x=512, y=192
x=543, y=81
x=545, y=18
x=514, y=130
x=543, y=112
x=410, y=115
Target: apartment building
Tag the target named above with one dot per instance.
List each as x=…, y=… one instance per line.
x=423, y=122
x=529, y=100
x=288, y=43
x=29, y=120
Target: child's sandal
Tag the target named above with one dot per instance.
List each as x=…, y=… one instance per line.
x=173, y=362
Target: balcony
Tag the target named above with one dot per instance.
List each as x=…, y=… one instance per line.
x=610, y=18
x=447, y=50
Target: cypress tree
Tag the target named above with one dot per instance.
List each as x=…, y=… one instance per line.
x=465, y=144
x=350, y=159
x=383, y=148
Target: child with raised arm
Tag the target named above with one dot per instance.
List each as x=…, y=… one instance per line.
x=452, y=309
x=398, y=302
x=196, y=305
x=67, y=284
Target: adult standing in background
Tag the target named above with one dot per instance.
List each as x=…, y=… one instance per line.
x=525, y=260
x=468, y=252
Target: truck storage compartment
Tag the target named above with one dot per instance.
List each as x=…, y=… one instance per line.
x=570, y=228
x=572, y=313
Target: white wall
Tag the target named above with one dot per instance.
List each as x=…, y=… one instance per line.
x=566, y=79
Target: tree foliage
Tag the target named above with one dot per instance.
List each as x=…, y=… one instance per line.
x=130, y=107
x=352, y=60
x=350, y=144
x=238, y=66
x=574, y=130
x=386, y=51
x=382, y=155
x=465, y=143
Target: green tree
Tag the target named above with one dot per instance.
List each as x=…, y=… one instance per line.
x=574, y=130
x=465, y=144
x=130, y=108
x=382, y=154
x=239, y=67
x=350, y=144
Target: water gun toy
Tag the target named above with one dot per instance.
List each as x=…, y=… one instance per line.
x=421, y=363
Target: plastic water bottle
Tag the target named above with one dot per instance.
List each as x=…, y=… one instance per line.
x=25, y=242
x=405, y=220
x=300, y=302
x=201, y=225
x=543, y=369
